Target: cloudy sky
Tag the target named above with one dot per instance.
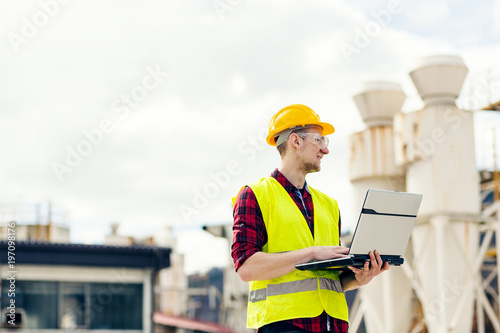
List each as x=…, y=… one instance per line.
x=154, y=113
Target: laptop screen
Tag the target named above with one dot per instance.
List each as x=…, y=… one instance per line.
x=385, y=222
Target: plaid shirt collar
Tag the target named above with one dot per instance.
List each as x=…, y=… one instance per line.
x=287, y=185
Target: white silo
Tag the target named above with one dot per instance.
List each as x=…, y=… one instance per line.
x=387, y=300
x=436, y=146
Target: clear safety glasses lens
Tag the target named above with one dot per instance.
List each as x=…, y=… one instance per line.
x=319, y=140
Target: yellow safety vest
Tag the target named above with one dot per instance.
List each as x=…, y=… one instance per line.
x=298, y=294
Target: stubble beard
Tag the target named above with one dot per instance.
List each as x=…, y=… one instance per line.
x=309, y=167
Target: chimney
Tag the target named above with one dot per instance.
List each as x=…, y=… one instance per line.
x=378, y=102
x=439, y=79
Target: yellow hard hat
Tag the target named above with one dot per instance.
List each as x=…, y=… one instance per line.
x=295, y=115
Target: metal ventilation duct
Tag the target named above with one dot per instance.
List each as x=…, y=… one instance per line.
x=378, y=102
x=439, y=78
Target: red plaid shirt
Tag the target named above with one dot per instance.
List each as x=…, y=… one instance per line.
x=249, y=236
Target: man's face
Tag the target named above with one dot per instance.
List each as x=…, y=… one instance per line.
x=315, y=146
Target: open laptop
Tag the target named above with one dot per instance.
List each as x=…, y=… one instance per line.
x=385, y=224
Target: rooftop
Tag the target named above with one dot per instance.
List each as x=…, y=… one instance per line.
x=43, y=253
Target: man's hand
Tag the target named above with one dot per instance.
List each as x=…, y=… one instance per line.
x=329, y=252
x=371, y=269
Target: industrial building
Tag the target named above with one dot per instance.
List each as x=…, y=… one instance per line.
x=449, y=280
x=431, y=151
x=86, y=287
x=128, y=284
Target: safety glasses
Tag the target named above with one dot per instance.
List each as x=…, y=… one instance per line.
x=319, y=140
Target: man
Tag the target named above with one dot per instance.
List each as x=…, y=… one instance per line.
x=280, y=221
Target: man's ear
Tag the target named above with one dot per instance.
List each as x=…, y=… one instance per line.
x=294, y=141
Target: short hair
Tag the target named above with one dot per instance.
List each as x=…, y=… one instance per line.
x=283, y=147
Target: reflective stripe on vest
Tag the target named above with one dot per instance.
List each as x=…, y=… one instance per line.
x=294, y=287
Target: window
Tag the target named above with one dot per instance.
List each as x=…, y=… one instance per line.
x=73, y=305
x=116, y=306
x=38, y=299
x=63, y=305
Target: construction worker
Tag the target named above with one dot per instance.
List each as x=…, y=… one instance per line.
x=280, y=221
